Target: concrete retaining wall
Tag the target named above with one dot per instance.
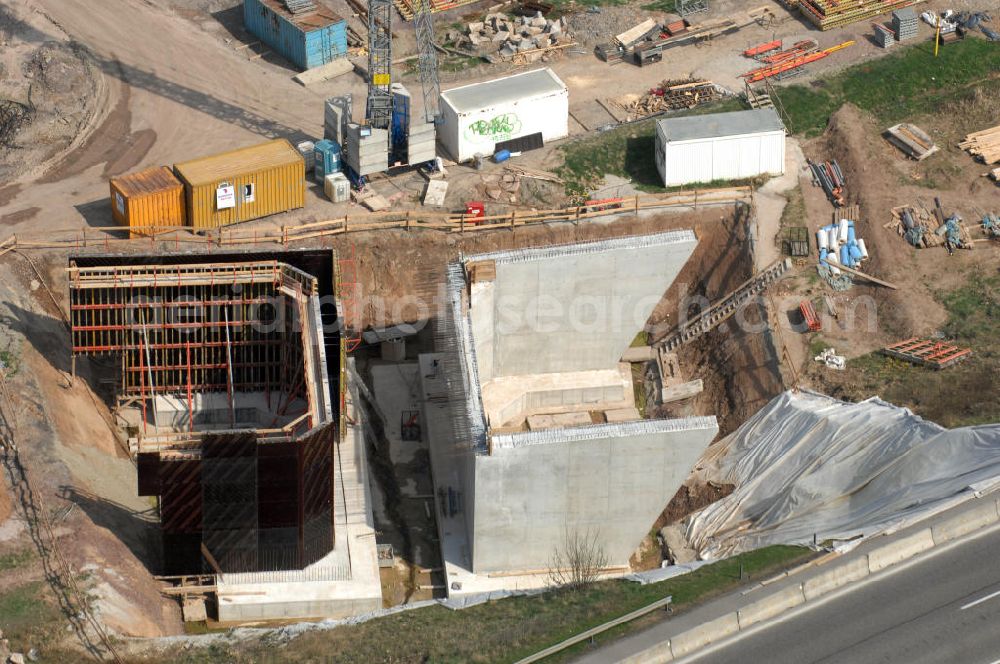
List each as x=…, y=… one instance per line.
x=771, y=605
x=839, y=575
x=703, y=634
x=963, y=524
x=900, y=550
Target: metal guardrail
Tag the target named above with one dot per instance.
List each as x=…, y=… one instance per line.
x=594, y=631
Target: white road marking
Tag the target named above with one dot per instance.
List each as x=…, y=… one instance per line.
x=980, y=601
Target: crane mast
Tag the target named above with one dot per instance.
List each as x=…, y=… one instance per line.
x=378, y=109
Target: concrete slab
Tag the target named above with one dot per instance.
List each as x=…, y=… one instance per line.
x=682, y=391
x=435, y=192
x=332, y=69
x=508, y=400
x=622, y=415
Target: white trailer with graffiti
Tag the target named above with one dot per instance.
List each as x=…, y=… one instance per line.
x=476, y=118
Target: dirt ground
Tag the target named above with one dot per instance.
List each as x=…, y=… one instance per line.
x=144, y=109
x=121, y=86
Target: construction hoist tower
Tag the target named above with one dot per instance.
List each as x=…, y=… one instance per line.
x=423, y=25
x=378, y=110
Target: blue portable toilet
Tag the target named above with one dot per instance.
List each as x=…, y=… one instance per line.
x=327, y=159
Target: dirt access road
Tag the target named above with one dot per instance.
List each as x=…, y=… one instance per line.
x=173, y=84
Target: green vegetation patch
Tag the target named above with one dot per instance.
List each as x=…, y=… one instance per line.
x=509, y=629
x=895, y=87
x=628, y=152
x=9, y=561
x=961, y=395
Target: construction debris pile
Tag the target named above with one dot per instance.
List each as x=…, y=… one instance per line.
x=957, y=24
x=831, y=360
x=991, y=226
x=505, y=187
x=983, y=144
x=829, y=14
x=829, y=176
x=922, y=229
x=672, y=95
x=508, y=36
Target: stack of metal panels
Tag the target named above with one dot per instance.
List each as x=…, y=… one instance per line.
x=421, y=143
x=366, y=149
x=904, y=24
x=336, y=115
x=300, y=6
x=884, y=35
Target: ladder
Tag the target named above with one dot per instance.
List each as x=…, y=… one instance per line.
x=722, y=310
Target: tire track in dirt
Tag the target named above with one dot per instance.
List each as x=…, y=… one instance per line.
x=113, y=143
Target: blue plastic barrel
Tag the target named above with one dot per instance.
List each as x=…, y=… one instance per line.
x=845, y=255
x=851, y=237
x=502, y=155
x=822, y=253
x=855, y=252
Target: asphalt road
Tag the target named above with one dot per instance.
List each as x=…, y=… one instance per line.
x=942, y=609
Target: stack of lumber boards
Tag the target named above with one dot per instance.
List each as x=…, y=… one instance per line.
x=984, y=144
x=829, y=14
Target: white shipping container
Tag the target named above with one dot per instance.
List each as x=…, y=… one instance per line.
x=720, y=146
x=478, y=116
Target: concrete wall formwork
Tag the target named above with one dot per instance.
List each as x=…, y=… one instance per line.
x=610, y=481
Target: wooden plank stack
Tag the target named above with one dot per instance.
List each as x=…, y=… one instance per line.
x=984, y=144
x=673, y=95
x=829, y=14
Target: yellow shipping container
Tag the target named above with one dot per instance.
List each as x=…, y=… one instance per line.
x=244, y=184
x=147, y=201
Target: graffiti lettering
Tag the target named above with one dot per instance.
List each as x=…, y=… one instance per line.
x=499, y=128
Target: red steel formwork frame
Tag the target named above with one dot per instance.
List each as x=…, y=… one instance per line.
x=926, y=352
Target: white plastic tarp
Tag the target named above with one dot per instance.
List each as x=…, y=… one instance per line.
x=809, y=466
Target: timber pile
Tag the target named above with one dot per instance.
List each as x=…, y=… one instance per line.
x=672, y=95
x=984, y=144
x=534, y=174
x=408, y=8
x=829, y=14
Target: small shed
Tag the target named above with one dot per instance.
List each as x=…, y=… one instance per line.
x=514, y=112
x=720, y=146
x=311, y=36
x=147, y=200
x=243, y=184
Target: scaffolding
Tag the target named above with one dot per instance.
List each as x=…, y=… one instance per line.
x=689, y=7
